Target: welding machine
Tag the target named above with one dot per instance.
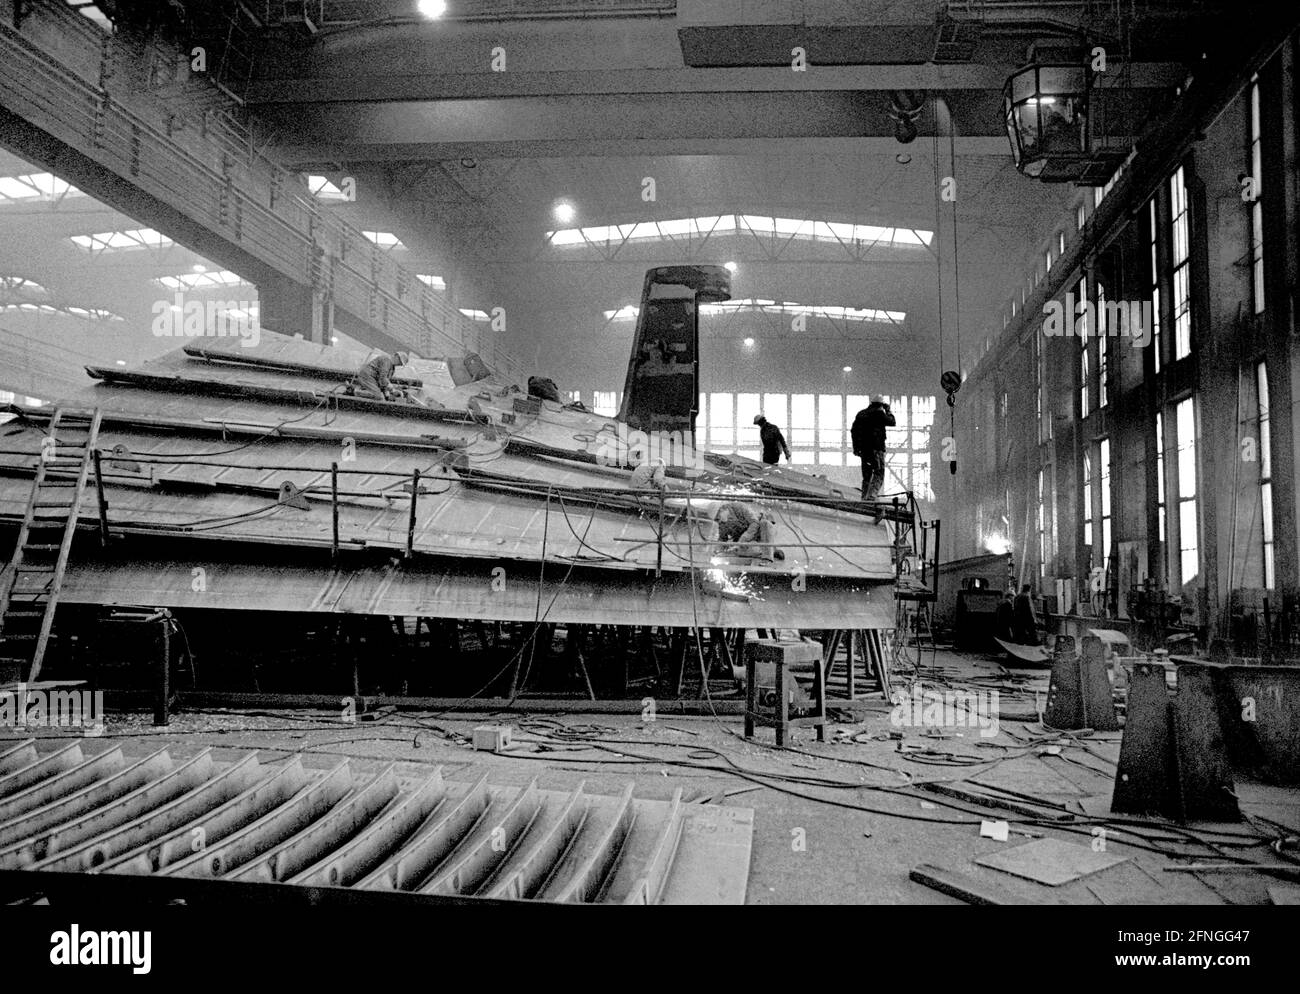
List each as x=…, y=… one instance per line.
x=975, y=625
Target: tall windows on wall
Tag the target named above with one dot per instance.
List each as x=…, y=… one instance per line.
x=1256, y=207
x=921, y=415
x=1265, y=472
x=1081, y=332
x=1042, y=531
x=1085, y=498
x=907, y=458
x=1103, y=333
x=1042, y=409
x=1162, y=532
x=747, y=405
x=1038, y=385
x=830, y=430
x=1181, y=263
x=1155, y=283
x=1104, y=472
x=722, y=421
x=1188, y=527
x=803, y=428
x=817, y=428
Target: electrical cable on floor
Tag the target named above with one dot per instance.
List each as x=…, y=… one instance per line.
x=1086, y=822
x=584, y=735
x=763, y=779
x=625, y=758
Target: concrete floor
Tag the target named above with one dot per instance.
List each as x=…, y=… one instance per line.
x=805, y=850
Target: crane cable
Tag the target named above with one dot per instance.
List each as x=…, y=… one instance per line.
x=956, y=269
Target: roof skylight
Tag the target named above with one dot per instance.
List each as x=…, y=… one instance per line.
x=138, y=238
x=834, y=311
x=35, y=187
x=384, y=239
x=88, y=313
x=199, y=281
x=92, y=12
x=21, y=285
x=321, y=188
x=734, y=224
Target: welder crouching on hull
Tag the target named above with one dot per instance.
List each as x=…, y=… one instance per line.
x=739, y=529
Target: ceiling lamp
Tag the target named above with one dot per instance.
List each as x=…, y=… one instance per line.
x=564, y=212
x=432, y=9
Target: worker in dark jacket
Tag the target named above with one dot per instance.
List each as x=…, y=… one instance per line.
x=868, y=434
x=374, y=379
x=543, y=387
x=773, y=441
x=739, y=527
x=1025, y=621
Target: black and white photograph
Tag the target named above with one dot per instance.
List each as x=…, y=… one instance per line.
x=522, y=454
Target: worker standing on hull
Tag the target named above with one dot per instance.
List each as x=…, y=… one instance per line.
x=374, y=379
x=774, y=443
x=868, y=434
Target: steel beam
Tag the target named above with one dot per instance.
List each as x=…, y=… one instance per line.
x=60, y=809
x=324, y=152
x=318, y=838
x=345, y=131
x=49, y=789
x=214, y=824
x=432, y=843
x=343, y=866
x=578, y=877
x=336, y=87
x=422, y=838
x=16, y=757
x=343, y=88
x=491, y=843
x=524, y=872
x=51, y=764
x=44, y=838
x=301, y=810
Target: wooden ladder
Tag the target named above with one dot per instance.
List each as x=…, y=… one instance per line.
x=29, y=585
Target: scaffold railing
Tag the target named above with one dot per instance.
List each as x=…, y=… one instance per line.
x=210, y=171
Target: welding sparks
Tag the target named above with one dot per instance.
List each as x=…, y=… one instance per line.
x=999, y=545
